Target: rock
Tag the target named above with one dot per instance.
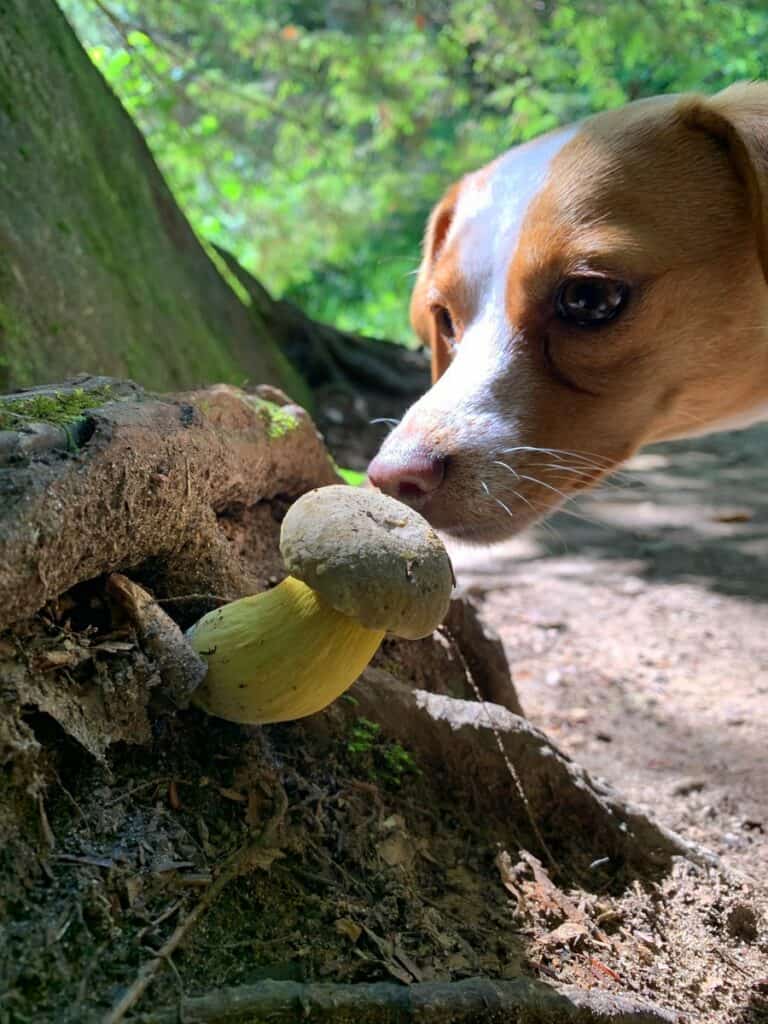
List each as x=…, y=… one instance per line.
x=742, y=922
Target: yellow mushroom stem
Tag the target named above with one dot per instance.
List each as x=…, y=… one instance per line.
x=279, y=655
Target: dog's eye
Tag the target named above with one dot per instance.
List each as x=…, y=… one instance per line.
x=588, y=301
x=445, y=326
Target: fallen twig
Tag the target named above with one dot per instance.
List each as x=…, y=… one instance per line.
x=181, y=668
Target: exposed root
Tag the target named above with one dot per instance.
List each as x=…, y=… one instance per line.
x=472, y=1001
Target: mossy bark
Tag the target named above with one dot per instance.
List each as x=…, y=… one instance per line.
x=155, y=481
x=101, y=271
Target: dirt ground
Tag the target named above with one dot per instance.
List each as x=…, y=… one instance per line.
x=636, y=625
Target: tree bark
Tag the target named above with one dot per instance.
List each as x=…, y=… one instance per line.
x=101, y=272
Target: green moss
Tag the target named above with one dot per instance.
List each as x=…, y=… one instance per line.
x=59, y=409
x=383, y=761
x=277, y=421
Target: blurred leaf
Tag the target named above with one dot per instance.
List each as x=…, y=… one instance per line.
x=352, y=476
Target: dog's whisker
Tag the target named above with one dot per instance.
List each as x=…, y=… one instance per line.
x=541, y=483
x=563, y=510
x=588, y=458
x=554, y=451
x=541, y=520
x=385, y=419
x=547, y=465
x=617, y=481
x=521, y=497
x=583, y=463
x=560, y=466
x=498, y=462
x=501, y=503
x=545, y=510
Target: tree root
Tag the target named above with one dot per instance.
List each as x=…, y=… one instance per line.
x=483, y=751
x=158, y=485
x=471, y=1001
x=328, y=356
x=181, y=667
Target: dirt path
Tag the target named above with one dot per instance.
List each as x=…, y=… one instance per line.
x=639, y=638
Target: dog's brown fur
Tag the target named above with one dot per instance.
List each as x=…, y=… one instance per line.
x=670, y=195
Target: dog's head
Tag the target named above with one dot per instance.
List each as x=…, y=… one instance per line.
x=589, y=292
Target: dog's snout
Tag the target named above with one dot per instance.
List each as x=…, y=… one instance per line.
x=410, y=476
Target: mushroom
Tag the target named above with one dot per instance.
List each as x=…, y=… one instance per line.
x=361, y=564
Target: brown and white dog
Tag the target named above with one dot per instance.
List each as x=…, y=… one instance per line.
x=587, y=293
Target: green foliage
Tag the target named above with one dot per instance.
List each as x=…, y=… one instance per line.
x=363, y=736
x=353, y=477
x=311, y=138
x=382, y=761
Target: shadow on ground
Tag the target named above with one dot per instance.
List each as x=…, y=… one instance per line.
x=689, y=511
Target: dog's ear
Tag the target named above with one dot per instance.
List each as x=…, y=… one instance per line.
x=737, y=118
x=421, y=314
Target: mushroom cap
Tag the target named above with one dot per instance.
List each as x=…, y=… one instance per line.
x=370, y=557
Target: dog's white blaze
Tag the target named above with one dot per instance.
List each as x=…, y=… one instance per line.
x=491, y=208
x=463, y=401
x=489, y=215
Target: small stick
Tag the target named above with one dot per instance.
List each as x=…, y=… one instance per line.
x=181, y=668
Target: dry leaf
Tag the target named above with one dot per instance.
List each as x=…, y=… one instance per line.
x=739, y=515
x=568, y=934
x=114, y=647
x=397, y=850
x=232, y=794
x=345, y=926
